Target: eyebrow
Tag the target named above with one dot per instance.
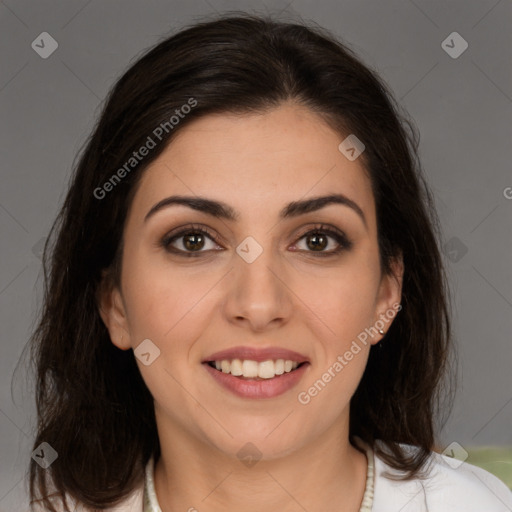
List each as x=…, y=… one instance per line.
x=221, y=210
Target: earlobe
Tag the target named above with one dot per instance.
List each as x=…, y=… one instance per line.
x=112, y=312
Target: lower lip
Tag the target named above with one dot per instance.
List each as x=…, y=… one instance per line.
x=266, y=388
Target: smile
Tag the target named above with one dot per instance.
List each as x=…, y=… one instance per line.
x=251, y=379
x=250, y=369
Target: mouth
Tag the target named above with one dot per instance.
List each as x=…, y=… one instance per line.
x=251, y=379
x=257, y=372
x=251, y=370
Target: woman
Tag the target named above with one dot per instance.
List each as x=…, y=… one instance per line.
x=246, y=305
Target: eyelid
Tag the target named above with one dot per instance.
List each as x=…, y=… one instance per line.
x=324, y=228
x=344, y=243
x=188, y=228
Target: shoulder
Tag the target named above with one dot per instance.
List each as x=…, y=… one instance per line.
x=449, y=486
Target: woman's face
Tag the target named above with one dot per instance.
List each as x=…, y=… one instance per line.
x=280, y=278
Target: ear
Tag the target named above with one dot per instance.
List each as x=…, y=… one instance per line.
x=112, y=311
x=389, y=297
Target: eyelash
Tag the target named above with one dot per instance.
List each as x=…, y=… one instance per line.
x=343, y=242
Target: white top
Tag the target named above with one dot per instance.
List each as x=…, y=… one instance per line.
x=451, y=486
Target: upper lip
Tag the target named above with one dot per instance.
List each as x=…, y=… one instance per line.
x=256, y=354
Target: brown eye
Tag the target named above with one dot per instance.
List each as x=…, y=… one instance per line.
x=319, y=239
x=192, y=241
x=317, y=242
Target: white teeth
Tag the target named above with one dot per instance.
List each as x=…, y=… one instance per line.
x=249, y=368
x=236, y=367
x=252, y=369
x=266, y=370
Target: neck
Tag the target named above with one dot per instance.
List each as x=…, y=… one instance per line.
x=328, y=475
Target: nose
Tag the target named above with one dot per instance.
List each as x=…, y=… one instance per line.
x=258, y=295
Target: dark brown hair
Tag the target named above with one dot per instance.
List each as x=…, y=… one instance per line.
x=93, y=406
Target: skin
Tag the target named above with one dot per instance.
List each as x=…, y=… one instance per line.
x=288, y=297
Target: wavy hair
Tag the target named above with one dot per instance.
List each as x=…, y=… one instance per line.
x=93, y=406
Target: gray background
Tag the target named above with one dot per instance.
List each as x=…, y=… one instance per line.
x=462, y=106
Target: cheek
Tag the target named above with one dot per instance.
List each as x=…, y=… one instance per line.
x=151, y=295
x=164, y=302
x=345, y=298
x=346, y=307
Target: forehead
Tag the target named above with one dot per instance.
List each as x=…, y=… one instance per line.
x=283, y=155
